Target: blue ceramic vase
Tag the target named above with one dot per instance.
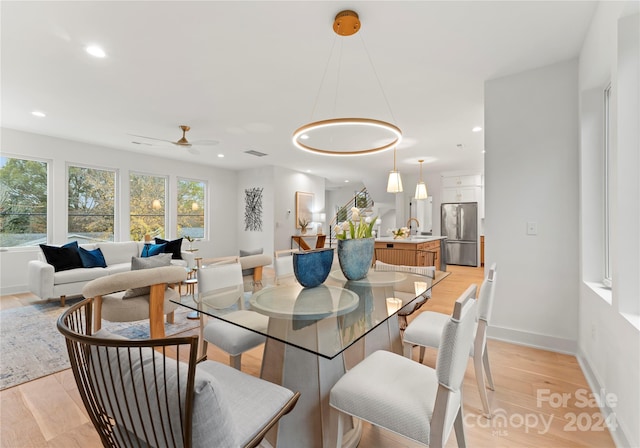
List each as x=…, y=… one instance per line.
x=312, y=267
x=355, y=257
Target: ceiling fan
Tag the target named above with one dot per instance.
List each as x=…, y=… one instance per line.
x=182, y=142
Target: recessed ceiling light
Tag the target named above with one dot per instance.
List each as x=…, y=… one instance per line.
x=37, y=113
x=304, y=137
x=96, y=51
x=476, y=129
x=483, y=151
x=308, y=171
x=220, y=156
x=346, y=181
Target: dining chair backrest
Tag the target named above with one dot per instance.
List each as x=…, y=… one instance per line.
x=485, y=297
x=134, y=392
x=283, y=264
x=427, y=271
x=221, y=285
x=457, y=336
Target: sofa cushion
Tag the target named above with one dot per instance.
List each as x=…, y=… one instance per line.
x=172, y=247
x=149, y=250
x=78, y=275
x=246, y=253
x=119, y=252
x=138, y=263
x=92, y=258
x=62, y=258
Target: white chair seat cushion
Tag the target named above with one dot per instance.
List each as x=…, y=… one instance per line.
x=117, y=309
x=250, y=401
x=404, y=405
x=426, y=330
x=233, y=339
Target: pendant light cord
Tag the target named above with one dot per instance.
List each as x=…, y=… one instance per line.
x=375, y=72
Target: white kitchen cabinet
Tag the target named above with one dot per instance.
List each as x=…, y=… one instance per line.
x=472, y=180
x=462, y=194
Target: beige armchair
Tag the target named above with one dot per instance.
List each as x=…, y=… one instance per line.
x=109, y=292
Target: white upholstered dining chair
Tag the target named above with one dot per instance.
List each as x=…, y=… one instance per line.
x=427, y=271
x=220, y=286
x=283, y=265
x=426, y=331
x=408, y=398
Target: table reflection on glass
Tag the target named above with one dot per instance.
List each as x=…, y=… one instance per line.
x=315, y=334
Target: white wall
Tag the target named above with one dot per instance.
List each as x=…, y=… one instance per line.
x=254, y=239
x=223, y=200
x=286, y=183
x=609, y=333
x=531, y=174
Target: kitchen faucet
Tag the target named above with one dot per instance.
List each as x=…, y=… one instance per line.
x=409, y=224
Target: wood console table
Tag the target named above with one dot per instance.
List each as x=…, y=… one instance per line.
x=299, y=240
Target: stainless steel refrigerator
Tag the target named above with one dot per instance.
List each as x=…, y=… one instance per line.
x=459, y=223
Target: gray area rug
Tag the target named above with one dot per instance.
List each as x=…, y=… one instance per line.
x=31, y=346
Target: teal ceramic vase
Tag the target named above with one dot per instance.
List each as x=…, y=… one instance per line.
x=355, y=257
x=312, y=267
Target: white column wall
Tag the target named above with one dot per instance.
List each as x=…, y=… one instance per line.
x=531, y=175
x=609, y=333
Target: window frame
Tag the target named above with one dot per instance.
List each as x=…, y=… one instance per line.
x=607, y=276
x=116, y=197
x=49, y=190
x=205, y=201
x=167, y=204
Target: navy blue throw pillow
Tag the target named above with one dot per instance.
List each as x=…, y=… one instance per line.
x=149, y=250
x=62, y=258
x=92, y=258
x=172, y=247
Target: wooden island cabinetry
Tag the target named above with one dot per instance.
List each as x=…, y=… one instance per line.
x=432, y=245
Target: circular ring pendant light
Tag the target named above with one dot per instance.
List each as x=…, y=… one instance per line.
x=347, y=23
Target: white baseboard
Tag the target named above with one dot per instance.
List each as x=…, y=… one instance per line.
x=617, y=434
x=16, y=289
x=554, y=344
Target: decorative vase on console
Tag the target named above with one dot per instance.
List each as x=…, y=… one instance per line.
x=355, y=254
x=303, y=223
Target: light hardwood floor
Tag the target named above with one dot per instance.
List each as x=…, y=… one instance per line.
x=48, y=412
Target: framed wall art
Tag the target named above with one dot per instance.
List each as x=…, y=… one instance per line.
x=304, y=207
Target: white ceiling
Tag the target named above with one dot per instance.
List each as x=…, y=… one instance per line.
x=247, y=74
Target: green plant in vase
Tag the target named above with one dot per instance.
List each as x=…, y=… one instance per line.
x=303, y=223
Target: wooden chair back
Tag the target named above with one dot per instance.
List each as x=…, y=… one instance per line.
x=136, y=392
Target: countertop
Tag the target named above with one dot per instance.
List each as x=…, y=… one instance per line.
x=413, y=240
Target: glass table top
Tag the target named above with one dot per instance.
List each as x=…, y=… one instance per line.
x=328, y=319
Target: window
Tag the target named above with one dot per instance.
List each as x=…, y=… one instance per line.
x=607, y=186
x=147, y=206
x=191, y=200
x=91, y=210
x=23, y=202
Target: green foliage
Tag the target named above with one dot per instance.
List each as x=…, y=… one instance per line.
x=23, y=199
x=144, y=218
x=191, y=216
x=91, y=202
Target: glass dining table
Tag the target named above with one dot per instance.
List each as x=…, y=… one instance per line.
x=315, y=334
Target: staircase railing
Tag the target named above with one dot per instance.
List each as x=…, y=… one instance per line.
x=362, y=200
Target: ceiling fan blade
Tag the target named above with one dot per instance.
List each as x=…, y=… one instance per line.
x=205, y=142
x=193, y=151
x=151, y=138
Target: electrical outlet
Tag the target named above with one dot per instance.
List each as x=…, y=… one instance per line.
x=532, y=228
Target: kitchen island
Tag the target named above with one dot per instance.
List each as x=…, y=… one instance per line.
x=430, y=243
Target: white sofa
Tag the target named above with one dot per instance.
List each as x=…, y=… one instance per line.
x=45, y=283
